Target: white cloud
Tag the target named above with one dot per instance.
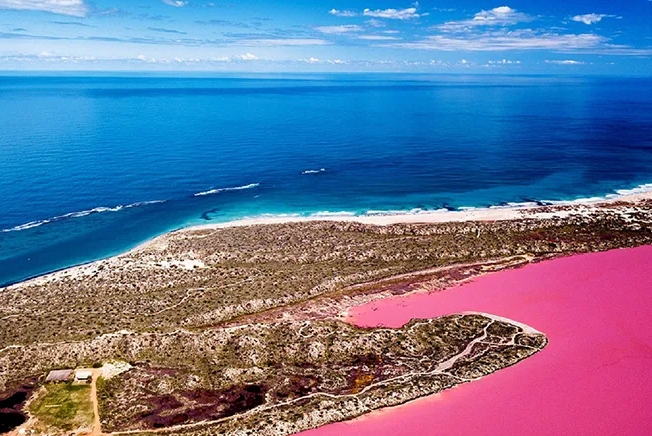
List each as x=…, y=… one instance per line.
x=377, y=23
x=338, y=30
x=49, y=58
x=281, y=42
x=565, y=62
x=248, y=57
x=504, y=62
x=175, y=3
x=392, y=14
x=489, y=30
x=338, y=13
x=219, y=59
x=314, y=60
x=378, y=38
x=75, y=8
x=526, y=39
x=589, y=19
x=500, y=16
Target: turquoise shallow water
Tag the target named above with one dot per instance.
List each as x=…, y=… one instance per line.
x=92, y=166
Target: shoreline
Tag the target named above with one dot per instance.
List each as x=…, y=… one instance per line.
x=493, y=213
x=584, y=352
x=373, y=217
x=561, y=209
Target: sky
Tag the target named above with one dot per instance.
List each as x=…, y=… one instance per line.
x=474, y=36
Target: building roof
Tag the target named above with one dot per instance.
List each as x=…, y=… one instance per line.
x=83, y=374
x=59, y=375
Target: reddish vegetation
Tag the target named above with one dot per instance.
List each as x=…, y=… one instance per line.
x=201, y=404
x=11, y=406
x=298, y=386
x=365, y=370
x=362, y=381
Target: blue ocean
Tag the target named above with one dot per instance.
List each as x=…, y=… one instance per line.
x=91, y=166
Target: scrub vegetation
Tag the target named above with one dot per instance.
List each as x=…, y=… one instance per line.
x=240, y=330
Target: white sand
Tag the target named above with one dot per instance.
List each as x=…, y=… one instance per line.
x=559, y=209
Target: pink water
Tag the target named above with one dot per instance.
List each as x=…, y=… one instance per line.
x=594, y=378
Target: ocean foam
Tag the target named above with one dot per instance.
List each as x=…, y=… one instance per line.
x=640, y=189
x=327, y=213
x=321, y=170
x=276, y=215
x=415, y=211
x=512, y=205
x=83, y=213
x=217, y=191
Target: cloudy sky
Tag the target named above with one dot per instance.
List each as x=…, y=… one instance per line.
x=554, y=36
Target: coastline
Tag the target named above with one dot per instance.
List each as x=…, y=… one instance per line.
x=560, y=209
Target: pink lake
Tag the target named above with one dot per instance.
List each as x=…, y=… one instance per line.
x=594, y=378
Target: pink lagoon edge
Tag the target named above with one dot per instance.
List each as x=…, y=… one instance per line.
x=594, y=378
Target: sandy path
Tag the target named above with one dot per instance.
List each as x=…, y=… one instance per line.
x=97, y=427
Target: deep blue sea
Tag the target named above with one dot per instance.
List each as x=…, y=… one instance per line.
x=92, y=166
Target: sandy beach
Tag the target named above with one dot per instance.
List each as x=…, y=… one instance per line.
x=559, y=209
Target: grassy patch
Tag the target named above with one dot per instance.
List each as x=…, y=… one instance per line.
x=64, y=406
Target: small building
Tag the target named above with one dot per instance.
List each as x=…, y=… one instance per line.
x=83, y=375
x=59, y=376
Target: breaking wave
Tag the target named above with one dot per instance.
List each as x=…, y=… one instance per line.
x=415, y=211
x=640, y=189
x=321, y=170
x=217, y=191
x=33, y=224
x=327, y=213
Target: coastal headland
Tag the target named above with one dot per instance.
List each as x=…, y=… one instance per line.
x=242, y=328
